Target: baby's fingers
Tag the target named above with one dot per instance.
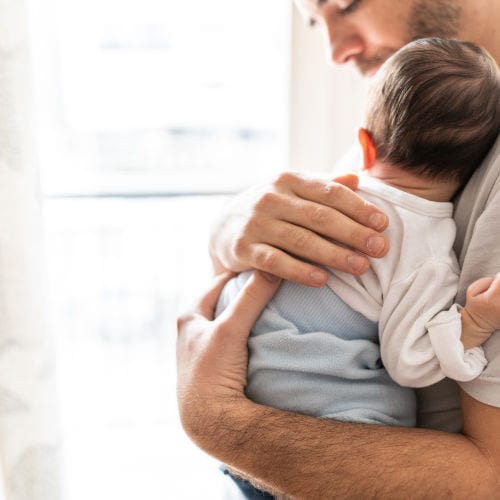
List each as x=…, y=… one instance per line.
x=478, y=287
x=494, y=288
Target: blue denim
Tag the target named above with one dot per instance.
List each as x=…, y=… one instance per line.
x=247, y=489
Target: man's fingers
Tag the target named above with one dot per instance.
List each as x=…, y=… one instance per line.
x=295, y=234
x=292, y=221
x=340, y=197
x=208, y=301
x=331, y=210
x=279, y=263
x=349, y=180
x=242, y=313
x=308, y=245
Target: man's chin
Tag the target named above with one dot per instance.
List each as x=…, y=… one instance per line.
x=369, y=66
x=368, y=73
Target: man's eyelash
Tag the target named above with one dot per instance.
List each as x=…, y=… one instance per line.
x=346, y=10
x=312, y=21
x=351, y=7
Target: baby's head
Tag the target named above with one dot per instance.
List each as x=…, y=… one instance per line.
x=434, y=110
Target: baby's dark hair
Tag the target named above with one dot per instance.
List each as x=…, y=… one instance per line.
x=435, y=108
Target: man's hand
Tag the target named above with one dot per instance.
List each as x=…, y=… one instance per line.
x=305, y=456
x=481, y=313
x=276, y=227
x=212, y=353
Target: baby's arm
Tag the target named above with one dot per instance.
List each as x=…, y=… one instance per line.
x=420, y=330
x=481, y=313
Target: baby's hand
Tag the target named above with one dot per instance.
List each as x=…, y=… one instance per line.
x=481, y=314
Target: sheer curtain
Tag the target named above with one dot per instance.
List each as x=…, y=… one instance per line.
x=29, y=439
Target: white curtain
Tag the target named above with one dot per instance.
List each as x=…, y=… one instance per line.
x=29, y=438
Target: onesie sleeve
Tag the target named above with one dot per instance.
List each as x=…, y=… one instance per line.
x=420, y=330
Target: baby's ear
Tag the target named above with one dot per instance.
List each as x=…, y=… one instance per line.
x=368, y=147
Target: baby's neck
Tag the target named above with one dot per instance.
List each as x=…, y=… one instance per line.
x=430, y=189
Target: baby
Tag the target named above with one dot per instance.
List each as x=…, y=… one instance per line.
x=352, y=349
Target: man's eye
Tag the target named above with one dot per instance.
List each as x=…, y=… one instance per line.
x=351, y=7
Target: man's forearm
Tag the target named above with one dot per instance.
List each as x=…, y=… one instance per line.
x=306, y=457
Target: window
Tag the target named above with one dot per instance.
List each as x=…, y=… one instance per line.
x=148, y=113
x=166, y=96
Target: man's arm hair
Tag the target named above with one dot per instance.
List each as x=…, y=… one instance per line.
x=306, y=457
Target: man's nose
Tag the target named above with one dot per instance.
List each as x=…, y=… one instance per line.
x=344, y=44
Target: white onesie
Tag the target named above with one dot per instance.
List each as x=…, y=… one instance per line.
x=411, y=290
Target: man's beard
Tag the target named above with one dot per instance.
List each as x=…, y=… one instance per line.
x=427, y=18
x=435, y=18
x=367, y=64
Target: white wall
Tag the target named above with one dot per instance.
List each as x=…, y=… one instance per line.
x=326, y=102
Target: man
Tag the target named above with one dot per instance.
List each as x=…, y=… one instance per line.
x=309, y=458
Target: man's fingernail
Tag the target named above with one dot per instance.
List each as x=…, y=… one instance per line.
x=375, y=244
x=356, y=262
x=318, y=277
x=377, y=220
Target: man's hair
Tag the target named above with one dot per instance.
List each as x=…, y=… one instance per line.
x=435, y=108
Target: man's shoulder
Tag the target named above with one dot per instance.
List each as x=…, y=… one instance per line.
x=485, y=180
x=478, y=241
x=480, y=191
